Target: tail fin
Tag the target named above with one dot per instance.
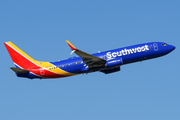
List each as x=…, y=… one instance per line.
x=20, y=58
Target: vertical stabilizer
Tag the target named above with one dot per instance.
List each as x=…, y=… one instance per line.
x=20, y=58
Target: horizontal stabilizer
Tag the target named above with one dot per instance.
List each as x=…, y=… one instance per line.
x=19, y=70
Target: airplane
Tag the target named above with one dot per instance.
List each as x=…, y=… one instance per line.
x=106, y=62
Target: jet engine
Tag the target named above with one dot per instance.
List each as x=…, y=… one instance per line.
x=114, y=62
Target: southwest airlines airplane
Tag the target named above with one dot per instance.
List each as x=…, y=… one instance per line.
x=106, y=62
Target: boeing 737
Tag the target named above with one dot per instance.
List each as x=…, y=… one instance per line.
x=105, y=62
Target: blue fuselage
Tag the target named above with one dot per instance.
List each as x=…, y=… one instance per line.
x=120, y=56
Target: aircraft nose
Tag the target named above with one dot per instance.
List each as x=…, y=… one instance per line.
x=172, y=47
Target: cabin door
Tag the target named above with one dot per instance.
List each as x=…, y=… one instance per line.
x=42, y=72
x=155, y=47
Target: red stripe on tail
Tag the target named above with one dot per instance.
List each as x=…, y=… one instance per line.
x=19, y=59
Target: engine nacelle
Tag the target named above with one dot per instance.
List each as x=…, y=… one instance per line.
x=114, y=62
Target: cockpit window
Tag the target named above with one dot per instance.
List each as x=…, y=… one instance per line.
x=164, y=44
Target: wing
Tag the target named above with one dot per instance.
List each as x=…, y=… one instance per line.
x=90, y=60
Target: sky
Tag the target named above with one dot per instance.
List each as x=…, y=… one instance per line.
x=140, y=91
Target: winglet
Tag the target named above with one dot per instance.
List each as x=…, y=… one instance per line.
x=70, y=45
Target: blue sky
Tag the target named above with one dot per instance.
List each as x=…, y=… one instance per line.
x=140, y=91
